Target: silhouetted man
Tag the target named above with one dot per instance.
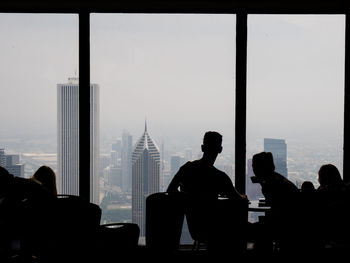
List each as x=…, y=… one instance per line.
x=201, y=177
x=276, y=188
x=280, y=194
x=208, y=221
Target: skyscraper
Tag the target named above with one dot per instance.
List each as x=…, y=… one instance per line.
x=253, y=190
x=126, y=153
x=68, y=139
x=175, y=164
x=145, y=177
x=2, y=158
x=11, y=163
x=278, y=148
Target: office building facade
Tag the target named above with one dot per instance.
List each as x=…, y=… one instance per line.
x=278, y=148
x=11, y=163
x=68, y=139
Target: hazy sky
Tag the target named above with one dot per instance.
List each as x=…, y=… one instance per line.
x=177, y=71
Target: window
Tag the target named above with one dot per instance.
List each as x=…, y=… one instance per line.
x=295, y=93
x=169, y=75
x=38, y=51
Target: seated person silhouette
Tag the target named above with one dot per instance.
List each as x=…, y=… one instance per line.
x=276, y=188
x=25, y=212
x=329, y=178
x=46, y=177
x=307, y=186
x=200, y=177
x=334, y=199
x=211, y=220
x=280, y=194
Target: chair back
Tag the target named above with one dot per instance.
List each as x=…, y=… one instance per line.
x=74, y=227
x=220, y=223
x=164, y=220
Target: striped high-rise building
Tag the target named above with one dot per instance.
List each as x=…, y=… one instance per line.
x=68, y=139
x=145, y=177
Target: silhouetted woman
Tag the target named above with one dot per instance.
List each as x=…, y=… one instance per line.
x=47, y=178
x=329, y=178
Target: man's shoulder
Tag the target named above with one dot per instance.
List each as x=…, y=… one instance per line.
x=191, y=164
x=285, y=181
x=219, y=172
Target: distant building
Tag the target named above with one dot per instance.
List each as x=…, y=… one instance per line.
x=126, y=154
x=114, y=158
x=145, y=177
x=68, y=139
x=188, y=155
x=2, y=158
x=11, y=163
x=117, y=146
x=253, y=190
x=12, y=159
x=175, y=164
x=16, y=170
x=115, y=176
x=278, y=148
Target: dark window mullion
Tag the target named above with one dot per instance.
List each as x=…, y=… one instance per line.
x=346, y=157
x=84, y=105
x=241, y=102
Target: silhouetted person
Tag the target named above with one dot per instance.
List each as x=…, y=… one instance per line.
x=307, y=186
x=280, y=194
x=276, y=188
x=25, y=212
x=201, y=177
x=210, y=220
x=329, y=178
x=332, y=190
x=46, y=177
x=334, y=199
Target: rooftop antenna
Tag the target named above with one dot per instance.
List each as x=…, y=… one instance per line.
x=145, y=124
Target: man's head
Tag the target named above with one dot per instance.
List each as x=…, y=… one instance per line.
x=263, y=164
x=212, y=143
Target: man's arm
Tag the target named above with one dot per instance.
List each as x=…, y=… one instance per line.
x=230, y=189
x=175, y=182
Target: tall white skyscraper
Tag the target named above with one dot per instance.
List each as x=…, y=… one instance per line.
x=145, y=177
x=68, y=139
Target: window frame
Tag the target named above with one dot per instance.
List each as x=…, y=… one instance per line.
x=240, y=8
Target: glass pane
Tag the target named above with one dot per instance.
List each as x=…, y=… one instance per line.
x=295, y=94
x=38, y=51
x=174, y=72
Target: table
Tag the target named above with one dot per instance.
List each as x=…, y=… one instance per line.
x=257, y=212
x=255, y=207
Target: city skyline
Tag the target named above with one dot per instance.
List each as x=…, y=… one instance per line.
x=179, y=71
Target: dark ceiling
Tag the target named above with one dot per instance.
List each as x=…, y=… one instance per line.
x=178, y=6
